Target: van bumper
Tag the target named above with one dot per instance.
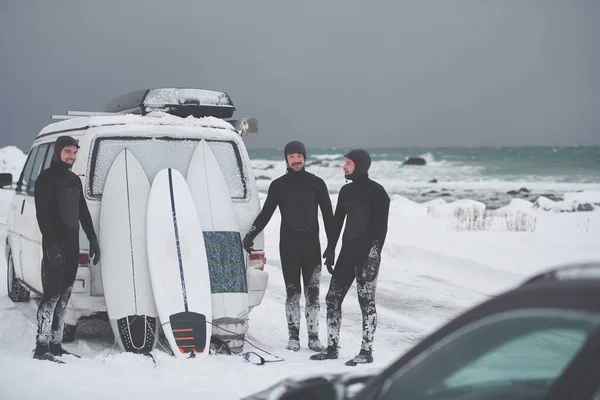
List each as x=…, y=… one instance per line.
x=82, y=303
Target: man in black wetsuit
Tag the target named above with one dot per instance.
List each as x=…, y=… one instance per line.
x=297, y=193
x=60, y=206
x=364, y=204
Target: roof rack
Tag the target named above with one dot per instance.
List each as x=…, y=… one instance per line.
x=78, y=114
x=181, y=102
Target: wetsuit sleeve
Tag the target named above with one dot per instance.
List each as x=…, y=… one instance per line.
x=267, y=211
x=43, y=197
x=380, y=211
x=325, y=205
x=338, y=220
x=85, y=218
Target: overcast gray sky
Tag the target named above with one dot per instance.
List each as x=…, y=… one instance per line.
x=338, y=73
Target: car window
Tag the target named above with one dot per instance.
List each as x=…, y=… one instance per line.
x=515, y=352
x=156, y=154
x=48, y=156
x=37, y=167
x=27, y=168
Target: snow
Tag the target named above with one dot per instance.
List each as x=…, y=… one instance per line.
x=430, y=273
x=443, y=209
x=171, y=96
x=158, y=118
x=12, y=160
x=572, y=200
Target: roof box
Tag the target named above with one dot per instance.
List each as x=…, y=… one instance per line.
x=182, y=102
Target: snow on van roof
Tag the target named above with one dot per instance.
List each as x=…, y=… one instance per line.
x=153, y=118
x=179, y=96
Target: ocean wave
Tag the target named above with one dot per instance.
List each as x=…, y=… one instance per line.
x=331, y=169
x=329, y=166
x=327, y=157
x=449, y=180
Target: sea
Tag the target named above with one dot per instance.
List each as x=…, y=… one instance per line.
x=493, y=175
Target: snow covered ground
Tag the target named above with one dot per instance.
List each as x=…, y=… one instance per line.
x=432, y=270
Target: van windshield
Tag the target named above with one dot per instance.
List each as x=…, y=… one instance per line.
x=156, y=154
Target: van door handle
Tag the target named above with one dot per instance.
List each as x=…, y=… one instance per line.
x=22, y=206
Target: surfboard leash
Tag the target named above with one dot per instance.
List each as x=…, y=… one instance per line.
x=110, y=351
x=247, y=356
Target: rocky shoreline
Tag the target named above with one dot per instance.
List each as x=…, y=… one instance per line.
x=492, y=199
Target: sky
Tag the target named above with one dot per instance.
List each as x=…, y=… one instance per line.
x=350, y=73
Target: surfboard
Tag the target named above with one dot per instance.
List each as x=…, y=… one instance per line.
x=223, y=246
x=125, y=274
x=178, y=265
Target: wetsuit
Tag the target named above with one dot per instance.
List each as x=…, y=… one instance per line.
x=364, y=204
x=297, y=194
x=60, y=206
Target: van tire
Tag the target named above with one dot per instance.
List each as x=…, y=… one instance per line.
x=69, y=333
x=16, y=292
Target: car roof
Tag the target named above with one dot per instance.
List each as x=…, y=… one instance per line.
x=578, y=272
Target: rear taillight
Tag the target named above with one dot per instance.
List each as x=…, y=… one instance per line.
x=257, y=259
x=84, y=258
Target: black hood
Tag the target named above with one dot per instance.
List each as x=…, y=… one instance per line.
x=362, y=163
x=59, y=145
x=294, y=147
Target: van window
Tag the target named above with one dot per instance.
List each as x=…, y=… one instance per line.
x=156, y=154
x=48, y=156
x=37, y=167
x=26, y=173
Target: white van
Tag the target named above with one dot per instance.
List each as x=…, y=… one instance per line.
x=162, y=128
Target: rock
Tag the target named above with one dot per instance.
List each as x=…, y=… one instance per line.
x=550, y=196
x=523, y=190
x=433, y=181
x=585, y=207
x=512, y=192
x=415, y=161
x=446, y=194
x=263, y=177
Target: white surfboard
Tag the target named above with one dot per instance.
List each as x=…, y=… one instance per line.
x=223, y=244
x=178, y=265
x=125, y=275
